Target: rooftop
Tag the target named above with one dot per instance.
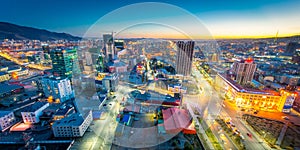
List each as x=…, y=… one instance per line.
x=2, y=73
x=5, y=88
x=4, y=113
x=72, y=120
x=64, y=111
x=75, y=119
x=175, y=119
x=240, y=88
x=34, y=107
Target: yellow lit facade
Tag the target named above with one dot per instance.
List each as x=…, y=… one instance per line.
x=266, y=101
x=4, y=77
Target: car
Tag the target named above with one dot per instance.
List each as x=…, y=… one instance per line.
x=255, y=112
x=248, y=134
x=238, y=131
x=285, y=117
x=222, y=135
x=242, y=137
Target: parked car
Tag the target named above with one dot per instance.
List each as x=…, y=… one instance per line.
x=248, y=134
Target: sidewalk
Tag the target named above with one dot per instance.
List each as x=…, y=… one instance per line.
x=264, y=144
x=201, y=130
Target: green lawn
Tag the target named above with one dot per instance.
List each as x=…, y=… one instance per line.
x=213, y=139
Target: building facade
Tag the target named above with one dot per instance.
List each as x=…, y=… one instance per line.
x=107, y=81
x=74, y=125
x=108, y=47
x=252, y=98
x=184, y=57
x=64, y=62
x=4, y=76
x=59, y=89
x=7, y=119
x=243, y=71
x=32, y=113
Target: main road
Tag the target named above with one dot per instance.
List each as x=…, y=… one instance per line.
x=212, y=105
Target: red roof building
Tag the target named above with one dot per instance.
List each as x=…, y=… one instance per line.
x=176, y=120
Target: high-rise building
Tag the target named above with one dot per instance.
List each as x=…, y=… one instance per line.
x=243, y=71
x=100, y=63
x=88, y=58
x=184, y=58
x=59, y=89
x=64, y=61
x=109, y=49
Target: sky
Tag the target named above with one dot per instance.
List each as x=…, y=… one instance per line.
x=222, y=18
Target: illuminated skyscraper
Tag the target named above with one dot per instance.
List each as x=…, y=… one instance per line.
x=100, y=63
x=184, y=57
x=63, y=61
x=108, y=48
x=243, y=71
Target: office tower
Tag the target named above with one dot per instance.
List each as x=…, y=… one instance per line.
x=100, y=63
x=63, y=62
x=243, y=71
x=88, y=58
x=108, y=42
x=184, y=57
x=59, y=89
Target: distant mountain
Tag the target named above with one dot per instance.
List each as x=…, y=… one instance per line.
x=16, y=32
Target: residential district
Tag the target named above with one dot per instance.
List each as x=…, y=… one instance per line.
x=112, y=93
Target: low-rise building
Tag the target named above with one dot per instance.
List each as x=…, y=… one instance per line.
x=259, y=99
x=109, y=82
x=9, y=89
x=176, y=88
x=63, y=112
x=31, y=114
x=74, y=125
x=7, y=119
x=4, y=76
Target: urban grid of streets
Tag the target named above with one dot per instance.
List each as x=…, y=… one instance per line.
x=206, y=102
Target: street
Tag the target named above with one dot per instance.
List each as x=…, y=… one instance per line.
x=214, y=107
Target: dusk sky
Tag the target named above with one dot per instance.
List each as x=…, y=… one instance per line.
x=222, y=18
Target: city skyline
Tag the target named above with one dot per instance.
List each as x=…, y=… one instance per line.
x=233, y=19
x=196, y=75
